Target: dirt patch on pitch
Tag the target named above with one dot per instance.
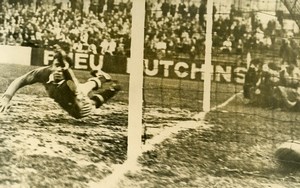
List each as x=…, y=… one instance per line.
x=237, y=150
x=42, y=146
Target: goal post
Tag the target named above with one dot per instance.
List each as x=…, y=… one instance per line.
x=135, y=106
x=207, y=64
x=136, y=69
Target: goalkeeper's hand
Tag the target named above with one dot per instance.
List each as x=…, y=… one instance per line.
x=4, y=104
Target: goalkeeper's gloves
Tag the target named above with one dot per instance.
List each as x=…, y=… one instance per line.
x=4, y=103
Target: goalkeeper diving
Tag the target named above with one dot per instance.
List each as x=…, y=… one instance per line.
x=78, y=99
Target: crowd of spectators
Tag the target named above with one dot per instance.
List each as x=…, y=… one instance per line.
x=170, y=33
x=97, y=31
x=172, y=29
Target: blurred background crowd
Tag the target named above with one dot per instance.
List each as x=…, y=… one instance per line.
x=103, y=27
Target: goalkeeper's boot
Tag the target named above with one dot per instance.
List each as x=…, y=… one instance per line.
x=107, y=94
x=101, y=75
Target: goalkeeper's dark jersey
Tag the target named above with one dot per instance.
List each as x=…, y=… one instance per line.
x=71, y=100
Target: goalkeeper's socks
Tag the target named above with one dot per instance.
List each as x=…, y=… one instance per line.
x=106, y=95
x=99, y=77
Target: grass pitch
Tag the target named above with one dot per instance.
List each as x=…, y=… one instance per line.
x=236, y=151
x=159, y=92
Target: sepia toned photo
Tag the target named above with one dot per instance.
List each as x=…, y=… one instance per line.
x=149, y=93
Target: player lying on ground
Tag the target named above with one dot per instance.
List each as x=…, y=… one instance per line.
x=273, y=85
x=260, y=80
x=62, y=86
x=288, y=92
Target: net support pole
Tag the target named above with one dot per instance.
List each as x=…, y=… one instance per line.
x=207, y=63
x=135, y=127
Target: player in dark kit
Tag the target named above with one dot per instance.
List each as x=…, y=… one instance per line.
x=78, y=99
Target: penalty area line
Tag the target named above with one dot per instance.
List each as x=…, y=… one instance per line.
x=227, y=101
x=119, y=171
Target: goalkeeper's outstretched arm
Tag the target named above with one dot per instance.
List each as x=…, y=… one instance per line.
x=10, y=92
x=26, y=79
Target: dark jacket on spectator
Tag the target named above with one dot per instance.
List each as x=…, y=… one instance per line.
x=193, y=11
x=181, y=10
x=173, y=10
x=110, y=5
x=202, y=12
x=165, y=8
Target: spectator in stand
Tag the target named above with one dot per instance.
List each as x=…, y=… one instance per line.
x=18, y=39
x=120, y=49
x=214, y=12
x=239, y=47
x=76, y=5
x=29, y=36
x=184, y=33
x=128, y=6
x=38, y=4
x=289, y=34
x=58, y=4
x=173, y=8
x=227, y=46
x=237, y=32
x=170, y=50
x=196, y=48
x=92, y=48
x=193, y=11
x=84, y=37
x=101, y=4
x=279, y=15
x=259, y=35
x=149, y=46
x=10, y=40
x=266, y=43
x=178, y=44
x=160, y=48
x=63, y=24
x=202, y=12
x=217, y=26
x=252, y=41
x=182, y=9
x=225, y=28
x=108, y=45
x=77, y=46
x=125, y=28
x=165, y=8
x=270, y=30
x=2, y=39
x=115, y=28
x=186, y=43
x=110, y=5
x=156, y=9
x=295, y=52
x=101, y=24
x=232, y=13
x=122, y=6
x=94, y=7
x=216, y=41
x=39, y=37
x=196, y=31
x=148, y=6
x=286, y=52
